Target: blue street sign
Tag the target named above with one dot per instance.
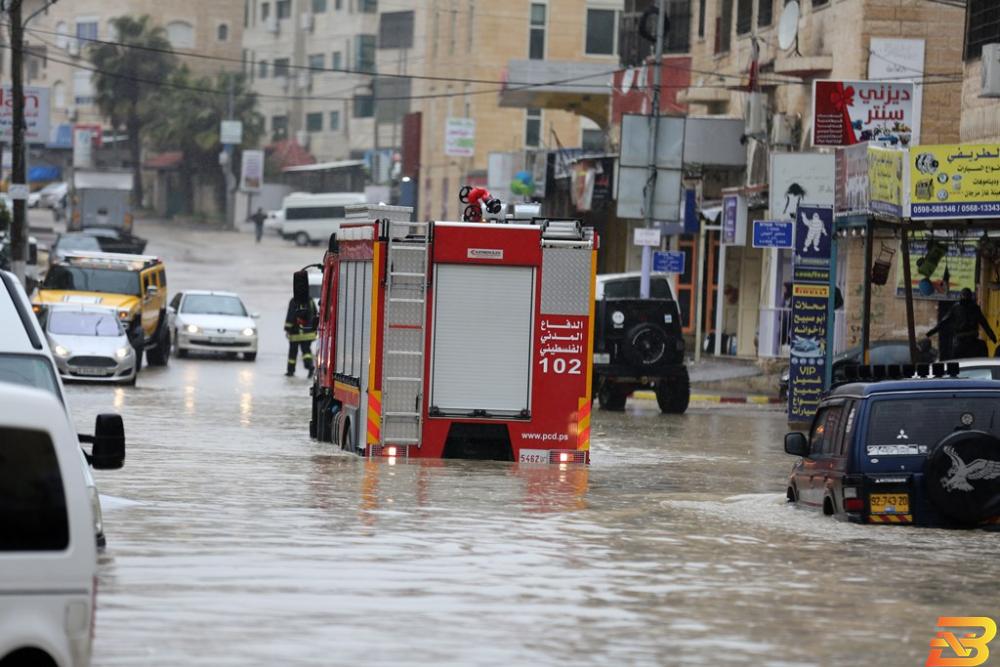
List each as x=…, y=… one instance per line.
x=772, y=234
x=670, y=261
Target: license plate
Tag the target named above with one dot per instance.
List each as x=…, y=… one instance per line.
x=533, y=456
x=889, y=503
x=602, y=357
x=216, y=339
x=90, y=371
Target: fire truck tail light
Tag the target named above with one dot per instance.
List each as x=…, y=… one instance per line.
x=390, y=451
x=854, y=504
x=567, y=456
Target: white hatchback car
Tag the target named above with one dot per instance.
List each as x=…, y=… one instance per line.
x=48, y=559
x=208, y=321
x=90, y=343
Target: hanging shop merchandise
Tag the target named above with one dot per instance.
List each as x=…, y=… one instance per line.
x=939, y=268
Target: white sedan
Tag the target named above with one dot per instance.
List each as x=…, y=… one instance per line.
x=212, y=322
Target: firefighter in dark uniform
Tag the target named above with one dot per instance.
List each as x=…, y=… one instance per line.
x=965, y=318
x=301, y=320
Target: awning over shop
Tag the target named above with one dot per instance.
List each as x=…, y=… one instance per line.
x=42, y=174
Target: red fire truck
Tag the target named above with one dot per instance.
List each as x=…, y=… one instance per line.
x=456, y=339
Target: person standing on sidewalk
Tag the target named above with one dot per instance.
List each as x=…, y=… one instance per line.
x=301, y=321
x=258, y=219
x=965, y=318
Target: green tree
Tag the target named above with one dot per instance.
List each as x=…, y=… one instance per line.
x=193, y=111
x=127, y=81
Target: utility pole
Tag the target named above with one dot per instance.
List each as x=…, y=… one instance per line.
x=654, y=113
x=227, y=167
x=19, y=226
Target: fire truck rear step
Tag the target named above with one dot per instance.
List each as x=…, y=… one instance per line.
x=404, y=333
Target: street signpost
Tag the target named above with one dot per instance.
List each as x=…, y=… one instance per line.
x=647, y=236
x=18, y=190
x=772, y=234
x=231, y=132
x=669, y=261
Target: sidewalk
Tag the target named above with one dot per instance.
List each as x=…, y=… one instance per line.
x=728, y=381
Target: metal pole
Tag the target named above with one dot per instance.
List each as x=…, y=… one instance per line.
x=654, y=112
x=699, y=304
x=228, y=167
x=911, y=333
x=720, y=296
x=831, y=311
x=866, y=315
x=19, y=226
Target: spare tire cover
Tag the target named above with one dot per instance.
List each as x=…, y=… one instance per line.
x=962, y=475
x=646, y=345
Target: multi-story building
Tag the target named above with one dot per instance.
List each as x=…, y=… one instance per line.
x=57, y=43
x=980, y=120
x=832, y=39
x=315, y=66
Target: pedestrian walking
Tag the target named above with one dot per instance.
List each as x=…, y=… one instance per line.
x=258, y=219
x=965, y=318
x=301, y=321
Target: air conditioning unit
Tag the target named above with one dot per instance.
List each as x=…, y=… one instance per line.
x=305, y=80
x=755, y=115
x=781, y=130
x=991, y=70
x=71, y=113
x=73, y=48
x=306, y=21
x=302, y=138
x=271, y=24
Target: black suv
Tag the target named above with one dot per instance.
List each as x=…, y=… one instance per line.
x=638, y=344
x=921, y=451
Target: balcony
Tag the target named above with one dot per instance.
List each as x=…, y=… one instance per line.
x=586, y=90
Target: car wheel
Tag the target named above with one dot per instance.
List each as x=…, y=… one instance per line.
x=132, y=380
x=611, y=397
x=791, y=496
x=249, y=356
x=673, y=392
x=346, y=439
x=160, y=354
x=301, y=239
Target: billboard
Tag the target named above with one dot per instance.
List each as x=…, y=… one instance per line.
x=939, y=269
x=460, y=137
x=798, y=177
x=36, y=114
x=852, y=179
x=954, y=181
x=850, y=112
x=252, y=171
x=887, y=181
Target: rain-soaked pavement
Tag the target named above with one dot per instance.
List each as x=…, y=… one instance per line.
x=233, y=539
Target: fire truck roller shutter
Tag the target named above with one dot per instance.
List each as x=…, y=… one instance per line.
x=483, y=318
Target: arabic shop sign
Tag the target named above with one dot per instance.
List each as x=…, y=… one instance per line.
x=810, y=302
x=939, y=268
x=955, y=181
x=886, y=181
x=850, y=112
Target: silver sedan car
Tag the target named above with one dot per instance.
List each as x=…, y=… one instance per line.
x=89, y=343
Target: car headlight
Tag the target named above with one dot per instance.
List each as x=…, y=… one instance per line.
x=192, y=329
x=123, y=314
x=249, y=331
x=122, y=352
x=61, y=351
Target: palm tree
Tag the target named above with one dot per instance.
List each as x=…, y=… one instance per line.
x=127, y=81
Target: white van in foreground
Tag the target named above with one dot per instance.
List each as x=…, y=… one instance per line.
x=311, y=218
x=48, y=559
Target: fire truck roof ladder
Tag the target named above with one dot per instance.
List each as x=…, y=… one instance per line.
x=404, y=333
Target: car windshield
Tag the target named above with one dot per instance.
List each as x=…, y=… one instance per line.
x=980, y=372
x=78, y=242
x=92, y=280
x=84, y=323
x=29, y=370
x=212, y=304
x=315, y=290
x=628, y=288
x=914, y=425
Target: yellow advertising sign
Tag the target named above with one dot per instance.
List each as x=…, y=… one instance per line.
x=955, y=181
x=886, y=180
x=939, y=269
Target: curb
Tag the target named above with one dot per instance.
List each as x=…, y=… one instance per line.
x=757, y=399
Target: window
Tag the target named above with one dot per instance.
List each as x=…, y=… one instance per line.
x=336, y=61
x=678, y=40
x=314, y=122
x=314, y=212
x=533, y=127
x=602, y=32
x=765, y=12
x=35, y=59
x=826, y=430
x=86, y=29
x=982, y=26
x=59, y=95
x=30, y=370
x=81, y=279
x=723, y=26
x=281, y=67
x=364, y=106
x=317, y=61
x=592, y=140
x=62, y=35
x=222, y=32
x=283, y=8
x=32, y=499
x=628, y=288
x=395, y=30
x=536, y=37
x=262, y=69
x=338, y=4
x=180, y=34
x=820, y=3
x=701, y=18
x=334, y=121
x=365, y=57
x=318, y=6
x=279, y=127
x=744, y=16
x=368, y=6
x=265, y=11
x=83, y=88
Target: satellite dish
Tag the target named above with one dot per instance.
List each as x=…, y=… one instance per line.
x=788, y=25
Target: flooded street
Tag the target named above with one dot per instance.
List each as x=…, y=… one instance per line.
x=234, y=539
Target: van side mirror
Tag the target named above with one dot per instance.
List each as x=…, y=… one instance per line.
x=108, y=452
x=796, y=444
x=255, y=316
